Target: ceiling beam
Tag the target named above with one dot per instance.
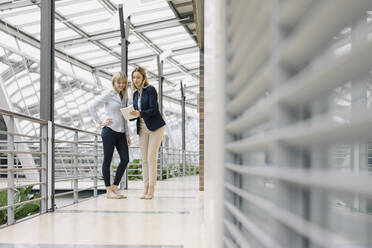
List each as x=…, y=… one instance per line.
x=14, y=5
x=149, y=57
x=198, y=8
x=177, y=14
x=11, y=30
x=179, y=5
x=174, y=22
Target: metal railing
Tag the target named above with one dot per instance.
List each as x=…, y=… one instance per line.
x=76, y=162
x=170, y=165
x=73, y=171
x=13, y=155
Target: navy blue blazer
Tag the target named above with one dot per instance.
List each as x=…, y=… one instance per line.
x=149, y=109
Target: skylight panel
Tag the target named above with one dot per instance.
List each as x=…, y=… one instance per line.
x=63, y=65
x=83, y=74
x=177, y=77
x=15, y=57
x=112, y=42
x=3, y=67
x=61, y=35
x=139, y=52
x=186, y=58
x=30, y=50
x=176, y=44
x=170, y=70
x=33, y=30
x=99, y=27
x=105, y=60
x=165, y=31
x=170, y=39
x=7, y=40
x=155, y=16
x=16, y=97
x=88, y=56
x=32, y=100
x=116, y=69
x=78, y=7
x=23, y=17
x=12, y=88
x=59, y=104
x=85, y=48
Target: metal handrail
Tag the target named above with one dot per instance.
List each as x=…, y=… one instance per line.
x=84, y=157
x=22, y=169
x=21, y=135
x=22, y=116
x=75, y=129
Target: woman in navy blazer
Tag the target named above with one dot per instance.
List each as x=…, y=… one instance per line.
x=150, y=128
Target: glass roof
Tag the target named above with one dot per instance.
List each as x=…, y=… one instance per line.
x=87, y=40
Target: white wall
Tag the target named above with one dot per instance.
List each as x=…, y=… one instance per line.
x=213, y=124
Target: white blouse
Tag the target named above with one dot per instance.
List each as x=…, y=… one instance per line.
x=113, y=103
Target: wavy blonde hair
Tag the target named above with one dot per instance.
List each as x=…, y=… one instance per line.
x=143, y=73
x=118, y=76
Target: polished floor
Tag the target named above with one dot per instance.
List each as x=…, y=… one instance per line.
x=173, y=219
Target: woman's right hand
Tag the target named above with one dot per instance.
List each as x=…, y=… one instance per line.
x=106, y=122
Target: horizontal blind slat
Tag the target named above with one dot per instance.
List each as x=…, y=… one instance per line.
x=243, y=38
x=235, y=232
x=319, y=29
x=293, y=11
x=315, y=233
x=258, y=114
x=335, y=73
x=253, y=90
x=258, y=234
x=320, y=130
x=321, y=179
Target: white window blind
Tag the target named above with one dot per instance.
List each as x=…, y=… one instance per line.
x=298, y=124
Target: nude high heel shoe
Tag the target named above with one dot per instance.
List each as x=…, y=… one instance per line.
x=150, y=193
x=145, y=190
x=110, y=194
x=115, y=189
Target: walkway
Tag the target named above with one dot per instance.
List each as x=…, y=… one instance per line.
x=174, y=219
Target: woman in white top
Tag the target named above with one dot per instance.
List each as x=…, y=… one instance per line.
x=114, y=131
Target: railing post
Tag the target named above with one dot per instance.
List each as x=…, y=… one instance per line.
x=112, y=170
x=176, y=157
x=160, y=175
x=183, y=162
x=76, y=170
x=180, y=162
x=193, y=163
x=167, y=174
x=47, y=14
x=124, y=181
x=174, y=162
x=189, y=157
x=196, y=155
x=50, y=173
x=95, y=190
x=44, y=168
x=10, y=171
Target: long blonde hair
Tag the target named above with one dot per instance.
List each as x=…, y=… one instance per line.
x=143, y=73
x=117, y=77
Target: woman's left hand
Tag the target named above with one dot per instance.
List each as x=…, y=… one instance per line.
x=135, y=113
x=128, y=140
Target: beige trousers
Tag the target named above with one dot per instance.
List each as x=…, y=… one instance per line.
x=149, y=144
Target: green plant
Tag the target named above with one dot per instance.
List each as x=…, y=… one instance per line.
x=176, y=171
x=20, y=195
x=134, y=170
x=3, y=202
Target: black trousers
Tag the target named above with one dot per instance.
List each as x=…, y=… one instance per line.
x=112, y=139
